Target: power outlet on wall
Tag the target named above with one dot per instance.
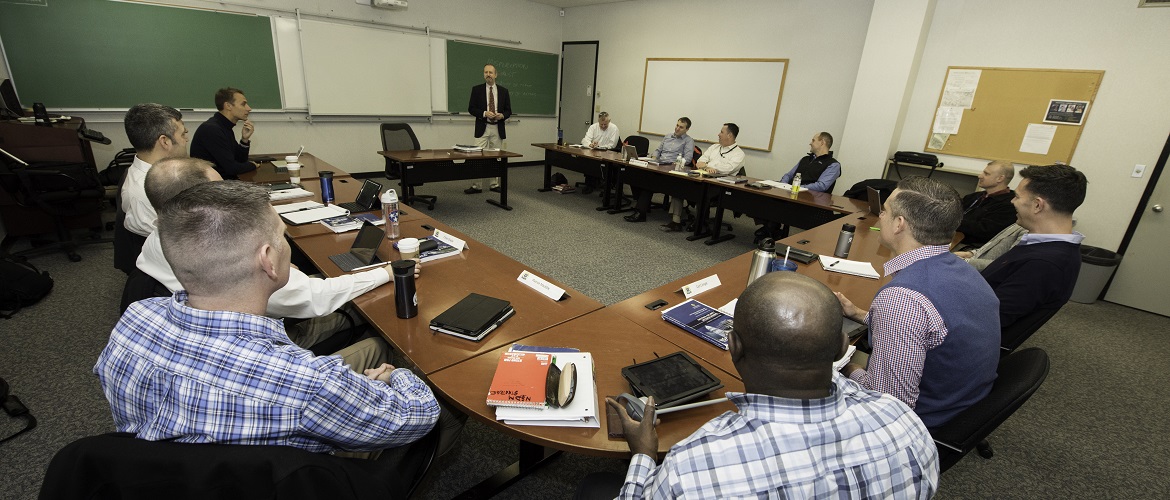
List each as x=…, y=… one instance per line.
x=1138, y=171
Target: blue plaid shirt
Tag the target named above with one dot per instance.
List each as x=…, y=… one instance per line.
x=853, y=444
x=172, y=372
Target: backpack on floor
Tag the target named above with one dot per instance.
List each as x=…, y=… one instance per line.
x=21, y=284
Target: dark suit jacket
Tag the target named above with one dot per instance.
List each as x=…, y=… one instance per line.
x=477, y=106
x=983, y=222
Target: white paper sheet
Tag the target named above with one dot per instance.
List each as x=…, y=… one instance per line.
x=1038, y=138
x=947, y=120
x=959, y=90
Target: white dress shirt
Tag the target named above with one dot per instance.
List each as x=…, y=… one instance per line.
x=723, y=159
x=301, y=297
x=605, y=139
x=140, y=215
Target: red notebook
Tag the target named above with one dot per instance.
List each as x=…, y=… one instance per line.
x=520, y=380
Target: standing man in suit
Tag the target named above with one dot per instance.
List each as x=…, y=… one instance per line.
x=215, y=141
x=490, y=105
x=987, y=213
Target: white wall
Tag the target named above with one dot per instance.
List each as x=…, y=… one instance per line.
x=822, y=39
x=352, y=144
x=1128, y=123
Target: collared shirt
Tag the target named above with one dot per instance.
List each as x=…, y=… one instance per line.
x=672, y=146
x=724, y=159
x=853, y=444
x=605, y=139
x=173, y=372
x=301, y=297
x=904, y=325
x=140, y=214
x=1033, y=238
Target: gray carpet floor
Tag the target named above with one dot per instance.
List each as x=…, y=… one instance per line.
x=1094, y=429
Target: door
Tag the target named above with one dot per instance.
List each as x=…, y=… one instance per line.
x=578, y=83
x=1143, y=279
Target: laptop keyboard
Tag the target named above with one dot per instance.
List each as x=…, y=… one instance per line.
x=346, y=261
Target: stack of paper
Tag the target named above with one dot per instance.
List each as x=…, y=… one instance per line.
x=467, y=148
x=288, y=194
x=293, y=207
x=345, y=223
x=581, y=412
x=854, y=267
x=781, y=185
x=313, y=214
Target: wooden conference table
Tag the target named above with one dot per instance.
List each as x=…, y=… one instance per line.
x=420, y=166
x=617, y=336
x=806, y=210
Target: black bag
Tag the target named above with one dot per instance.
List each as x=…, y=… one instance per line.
x=916, y=158
x=21, y=284
x=558, y=178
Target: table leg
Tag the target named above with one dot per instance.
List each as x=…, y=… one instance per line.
x=619, y=188
x=532, y=457
x=547, y=172
x=715, y=236
x=701, y=230
x=503, y=203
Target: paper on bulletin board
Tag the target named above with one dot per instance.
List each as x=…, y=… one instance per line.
x=959, y=91
x=938, y=141
x=1038, y=138
x=947, y=120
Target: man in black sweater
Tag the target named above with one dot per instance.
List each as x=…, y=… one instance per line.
x=1039, y=273
x=987, y=212
x=215, y=141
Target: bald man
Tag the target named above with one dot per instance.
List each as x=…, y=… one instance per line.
x=987, y=212
x=787, y=335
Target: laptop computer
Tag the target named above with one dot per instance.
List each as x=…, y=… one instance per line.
x=11, y=102
x=364, y=252
x=629, y=152
x=875, y=200
x=367, y=198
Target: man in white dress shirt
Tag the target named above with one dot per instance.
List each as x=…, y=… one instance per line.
x=724, y=158
x=601, y=135
x=156, y=132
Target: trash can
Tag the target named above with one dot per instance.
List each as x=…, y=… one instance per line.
x=1097, y=266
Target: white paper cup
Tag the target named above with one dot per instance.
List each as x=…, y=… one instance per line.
x=294, y=172
x=408, y=247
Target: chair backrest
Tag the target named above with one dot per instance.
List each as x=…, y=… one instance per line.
x=398, y=137
x=859, y=191
x=698, y=153
x=118, y=465
x=127, y=245
x=139, y=286
x=639, y=143
x=1017, y=378
x=1016, y=333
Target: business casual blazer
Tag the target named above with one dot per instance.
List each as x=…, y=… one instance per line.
x=478, y=105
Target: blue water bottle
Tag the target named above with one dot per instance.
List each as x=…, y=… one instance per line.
x=326, y=186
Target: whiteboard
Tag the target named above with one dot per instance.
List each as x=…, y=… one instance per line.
x=355, y=70
x=712, y=92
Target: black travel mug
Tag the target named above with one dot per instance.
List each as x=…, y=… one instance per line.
x=326, y=186
x=405, y=298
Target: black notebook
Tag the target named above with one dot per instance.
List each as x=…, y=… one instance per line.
x=473, y=317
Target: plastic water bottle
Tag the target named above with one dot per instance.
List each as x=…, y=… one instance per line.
x=796, y=184
x=679, y=163
x=390, y=213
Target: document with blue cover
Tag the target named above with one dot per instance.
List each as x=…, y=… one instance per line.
x=702, y=320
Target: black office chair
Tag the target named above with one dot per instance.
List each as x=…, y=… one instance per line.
x=1018, y=377
x=139, y=286
x=61, y=190
x=400, y=137
x=1015, y=334
x=127, y=244
x=859, y=191
x=119, y=465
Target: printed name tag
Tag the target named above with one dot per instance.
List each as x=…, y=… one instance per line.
x=701, y=286
x=541, y=285
x=450, y=240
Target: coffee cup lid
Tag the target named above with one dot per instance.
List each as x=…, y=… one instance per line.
x=408, y=244
x=291, y=158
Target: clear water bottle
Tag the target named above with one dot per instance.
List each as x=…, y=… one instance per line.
x=796, y=184
x=679, y=163
x=390, y=213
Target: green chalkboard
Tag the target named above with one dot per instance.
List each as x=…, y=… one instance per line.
x=101, y=54
x=530, y=77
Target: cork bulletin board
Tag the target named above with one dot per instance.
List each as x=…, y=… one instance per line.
x=1000, y=113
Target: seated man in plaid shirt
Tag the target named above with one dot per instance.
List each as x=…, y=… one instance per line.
x=206, y=365
x=802, y=430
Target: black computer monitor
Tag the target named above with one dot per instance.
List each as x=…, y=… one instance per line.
x=8, y=94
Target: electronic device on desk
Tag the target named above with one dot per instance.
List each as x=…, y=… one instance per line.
x=473, y=317
x=802, y=256
x=671, y=380
x=758, y=185
x=364, y=252
x=629, y=152
x=367, y=198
